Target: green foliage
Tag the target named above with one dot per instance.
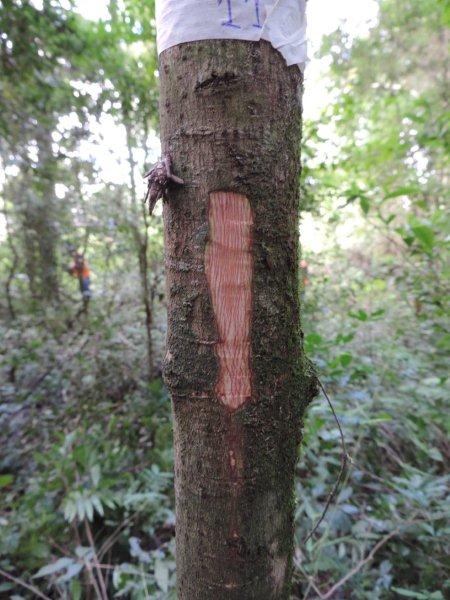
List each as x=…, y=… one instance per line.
x=100, y=491
x=376, y=317
x=392, y=411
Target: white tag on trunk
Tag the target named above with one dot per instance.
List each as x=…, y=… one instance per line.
x=281, y=22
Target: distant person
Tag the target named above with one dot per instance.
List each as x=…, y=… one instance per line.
x=80, y=269
x=304, y=268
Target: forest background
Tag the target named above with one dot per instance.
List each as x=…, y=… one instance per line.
x=86, y=484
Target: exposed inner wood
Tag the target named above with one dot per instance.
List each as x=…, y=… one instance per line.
x=229, y=268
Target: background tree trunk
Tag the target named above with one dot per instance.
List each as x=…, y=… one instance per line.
x=39, y=216
x=231, y=118
x=141, y=243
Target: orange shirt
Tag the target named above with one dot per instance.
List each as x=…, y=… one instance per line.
x=80, y=270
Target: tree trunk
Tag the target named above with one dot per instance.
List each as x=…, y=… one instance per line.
x=10, y=237
x=141, y=242
x=39, y=215
x=231, y=118
x=45, y=216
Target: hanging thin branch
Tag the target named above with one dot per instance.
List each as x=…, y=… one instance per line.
x=345, y=459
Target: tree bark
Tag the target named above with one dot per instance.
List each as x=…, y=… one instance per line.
x=231, y=120
x=44, y=213
x=14, y=264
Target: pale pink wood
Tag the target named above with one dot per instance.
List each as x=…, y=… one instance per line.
x=229, y=269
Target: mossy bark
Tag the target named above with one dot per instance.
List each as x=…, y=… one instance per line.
x=231, y=120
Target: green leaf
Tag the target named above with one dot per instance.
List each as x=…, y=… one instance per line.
x=71, y=572
x=314, y=339
x=81, y=507
x=70, y=510
x=425, y=235
x=435, y=454
x=96, y=502
x=419, y=595
x=345, y=359
x=365, y=204
x=75, y=589
x=162, y=575
x=95, y=475
x=314, y=423
x=401, y=191
x=408, y=593
x=89, y=508
x=381, y=417
x=6, y=480
x=59, y=565
x=361, y=315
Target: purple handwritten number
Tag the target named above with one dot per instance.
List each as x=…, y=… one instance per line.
x=229, y=22
x=258, y=23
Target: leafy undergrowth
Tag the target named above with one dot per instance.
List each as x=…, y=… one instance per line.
x=86, y=484
x=386, y=535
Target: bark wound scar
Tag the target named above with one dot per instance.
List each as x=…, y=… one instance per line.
x=229, y=270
